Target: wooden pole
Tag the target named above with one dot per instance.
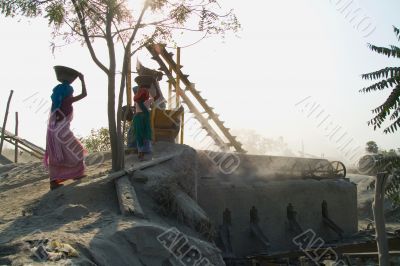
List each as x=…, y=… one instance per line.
x=182, y=126
x=170, y=90
x=128, y=87
x=129, y=80
x=379, y=217
x=178, y=80
x=5, y=120
x=16, y=139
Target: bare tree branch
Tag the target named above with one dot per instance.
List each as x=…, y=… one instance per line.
x=123, y=80
x=87, y=40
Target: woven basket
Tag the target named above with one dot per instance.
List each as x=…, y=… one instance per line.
x=64, y=73
x=144, y=80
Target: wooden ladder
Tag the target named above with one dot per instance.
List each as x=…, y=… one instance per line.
x=24, y=145
x=166, y=62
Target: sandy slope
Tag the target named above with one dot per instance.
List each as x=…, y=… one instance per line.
x=86, y=215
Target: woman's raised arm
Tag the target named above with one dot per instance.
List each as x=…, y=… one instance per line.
x=83, y=93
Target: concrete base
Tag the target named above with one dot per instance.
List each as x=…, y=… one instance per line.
x=242, y=190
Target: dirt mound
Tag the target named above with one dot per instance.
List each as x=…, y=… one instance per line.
x=85, y=214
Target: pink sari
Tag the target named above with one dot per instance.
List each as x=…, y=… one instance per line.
x=64, y=157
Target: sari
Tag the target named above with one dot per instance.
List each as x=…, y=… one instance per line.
x=64, y=156
x=141, y=122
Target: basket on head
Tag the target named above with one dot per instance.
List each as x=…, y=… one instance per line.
x=144, y=80
x=144, y=71
x=64, y=73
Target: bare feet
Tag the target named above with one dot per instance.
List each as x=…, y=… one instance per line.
x=55, y=185
x=141, y=156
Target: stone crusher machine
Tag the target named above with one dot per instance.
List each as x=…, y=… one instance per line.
x=259, y=204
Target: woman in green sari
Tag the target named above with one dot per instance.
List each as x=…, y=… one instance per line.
x=141, y=120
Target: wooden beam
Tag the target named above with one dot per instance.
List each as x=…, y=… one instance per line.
x=170, y=91
x=5, y=120
x=30, y=152
x=16, y=141
x=178, y=80
x=139, y=166
x=182, y=126
x=127, y=199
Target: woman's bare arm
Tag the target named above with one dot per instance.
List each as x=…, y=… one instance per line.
x=83, y=93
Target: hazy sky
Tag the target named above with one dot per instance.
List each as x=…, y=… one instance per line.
x=287, y=51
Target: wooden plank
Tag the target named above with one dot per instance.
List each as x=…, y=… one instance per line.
x=16, y=141
x=147, y=164
x=24, y=142
x=5, y=121
x=127, y=199
x=30, y=152
x=191, y=213
x=140, y=166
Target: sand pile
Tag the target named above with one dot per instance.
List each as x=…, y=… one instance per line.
x=85, y=214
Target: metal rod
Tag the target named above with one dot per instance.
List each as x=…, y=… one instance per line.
x=5, y=121
x=16, y=140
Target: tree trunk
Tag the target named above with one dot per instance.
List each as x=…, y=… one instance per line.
x=112, y=125
x=379, y=217
x=119, y=110
x=111, y=121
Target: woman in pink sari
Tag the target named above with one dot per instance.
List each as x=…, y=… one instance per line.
x=64, y=155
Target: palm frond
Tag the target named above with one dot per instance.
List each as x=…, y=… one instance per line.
x=397, y=32
x=382, y=84
x=393, y=127
x=383, y=73
x=384, y=50
x=392, y=102
x=395, y=114
x=394, y=48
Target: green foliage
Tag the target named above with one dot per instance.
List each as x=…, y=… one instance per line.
x=119, y=25
x=166, y=17
x=180, y=14
x=390, y=162
x=98, y=140
x=156, y=4
x=28, y=8
x=387, y=161
x=55, y=13
x=390, y=109
x=390, y=72
x=393, y=51
x=371, y=147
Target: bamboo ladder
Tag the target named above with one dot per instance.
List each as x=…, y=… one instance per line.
x=225, y=140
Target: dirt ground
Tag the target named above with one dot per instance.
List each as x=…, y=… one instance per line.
x=86, y=215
